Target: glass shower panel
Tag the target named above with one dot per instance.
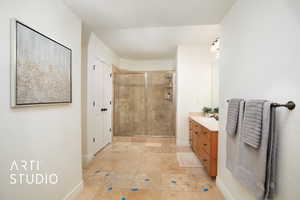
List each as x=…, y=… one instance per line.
x=144, y=104
x=160, y=113
x=129, y=112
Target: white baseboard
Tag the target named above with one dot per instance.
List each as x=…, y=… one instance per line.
x=74, y=192
x=182, y=143
x=222, y=187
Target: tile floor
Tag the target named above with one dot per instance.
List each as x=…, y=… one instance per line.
x=145, y=169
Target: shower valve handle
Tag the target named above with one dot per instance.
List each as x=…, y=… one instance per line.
x=103, y=109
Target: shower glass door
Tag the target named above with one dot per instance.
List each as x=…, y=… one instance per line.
x=129, y=104
x=144, y=104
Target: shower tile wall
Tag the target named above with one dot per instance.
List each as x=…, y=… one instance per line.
x=143, y=104
x=160, y=109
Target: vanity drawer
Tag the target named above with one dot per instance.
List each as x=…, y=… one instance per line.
x=205, y=143
x=205, y=159
x=196, y=126
x=205, y=132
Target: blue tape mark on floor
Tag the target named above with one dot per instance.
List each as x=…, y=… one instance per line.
x=173, y=181
x=109, y=188
x=205, y=189
x=135, y=189
x=123, y=198
x=107, y=174
x=146, y=179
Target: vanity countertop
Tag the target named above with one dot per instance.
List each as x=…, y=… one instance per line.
x=208, y=122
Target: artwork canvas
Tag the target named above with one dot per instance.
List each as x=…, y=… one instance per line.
x=41, y=68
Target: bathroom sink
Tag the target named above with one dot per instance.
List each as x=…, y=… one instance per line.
x=208, y=122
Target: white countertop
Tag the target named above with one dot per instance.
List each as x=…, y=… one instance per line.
x=210, y=123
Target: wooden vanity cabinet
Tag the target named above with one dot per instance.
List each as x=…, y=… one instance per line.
x=205, y=145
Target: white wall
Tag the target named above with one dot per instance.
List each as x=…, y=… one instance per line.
x=93, y=48
x=50, y=134
x=260, y=59
x=147, y=65
x=193, y=86
x=215, y=82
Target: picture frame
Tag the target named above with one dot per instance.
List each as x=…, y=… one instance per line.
x=41, y=68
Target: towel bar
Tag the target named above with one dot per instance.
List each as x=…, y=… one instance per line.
x=289, y=105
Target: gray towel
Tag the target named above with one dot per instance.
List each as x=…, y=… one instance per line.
x=252, y=126
x=256, y=168
x=232, y=116
x=272, y=159
x=232, y=142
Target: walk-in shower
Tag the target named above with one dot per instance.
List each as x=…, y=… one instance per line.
x=144, y=104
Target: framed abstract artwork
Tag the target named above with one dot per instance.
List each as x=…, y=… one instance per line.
x=41, y=68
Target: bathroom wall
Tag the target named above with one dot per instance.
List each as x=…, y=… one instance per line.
x=260, y=59
x=215, y=81
x=92, y=48
x=49, y=134
x=148, y=65
x=194, y=86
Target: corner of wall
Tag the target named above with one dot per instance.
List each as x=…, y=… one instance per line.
x=86, y=159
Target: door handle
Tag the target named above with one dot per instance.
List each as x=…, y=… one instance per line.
x=103, y=109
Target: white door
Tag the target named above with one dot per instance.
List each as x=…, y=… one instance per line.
x=98, y=122
x=102, y=94
x=107, y=103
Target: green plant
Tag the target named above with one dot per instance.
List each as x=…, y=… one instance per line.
x=207, y=110
x=216, y=110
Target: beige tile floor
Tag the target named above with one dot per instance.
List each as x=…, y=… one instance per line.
x=145, y=169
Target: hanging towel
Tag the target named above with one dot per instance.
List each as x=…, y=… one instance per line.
x=232, y=116
x=252, y=125
x=232, y=142
x=256, y=168
x=272, y=159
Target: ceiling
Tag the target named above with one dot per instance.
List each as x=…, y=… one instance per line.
x=140, y=29
x=157, y=42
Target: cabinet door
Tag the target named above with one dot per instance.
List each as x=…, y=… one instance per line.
x=195, y=138
x=194, y=141
x=192, y=134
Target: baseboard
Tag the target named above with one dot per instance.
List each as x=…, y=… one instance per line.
x=227, y=195
x=182, y=143
x=74, y=192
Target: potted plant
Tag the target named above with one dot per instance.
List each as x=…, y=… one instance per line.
x=206, y=110
x=216, y=113
x=210, y=112
x=216, y=110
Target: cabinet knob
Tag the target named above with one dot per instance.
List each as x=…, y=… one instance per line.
x=204, y=160
x=204, y=144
